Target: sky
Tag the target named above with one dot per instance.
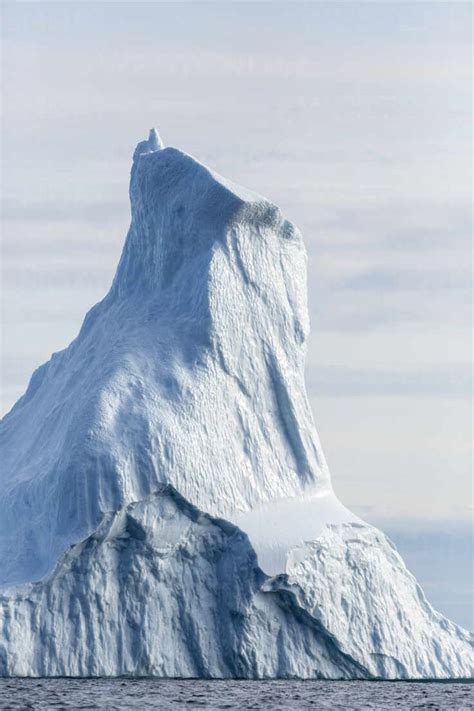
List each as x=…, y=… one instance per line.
x=355, y=118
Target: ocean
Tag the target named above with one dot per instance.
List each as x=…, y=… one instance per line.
x=174, y=694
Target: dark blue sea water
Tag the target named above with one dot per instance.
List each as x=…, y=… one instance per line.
x=174, y=694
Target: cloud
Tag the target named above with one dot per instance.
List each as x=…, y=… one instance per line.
x=336, y=381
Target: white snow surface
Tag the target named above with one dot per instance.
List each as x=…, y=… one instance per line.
x=166, y=507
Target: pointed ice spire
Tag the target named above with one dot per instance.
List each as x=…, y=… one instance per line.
x=154, y=140
x=150, y=145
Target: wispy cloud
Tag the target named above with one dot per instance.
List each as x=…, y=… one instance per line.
x=336, y=381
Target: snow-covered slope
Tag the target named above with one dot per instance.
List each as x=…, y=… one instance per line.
x=189, y=378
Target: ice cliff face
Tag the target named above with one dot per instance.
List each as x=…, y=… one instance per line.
x=176, y=423
x=161, y=588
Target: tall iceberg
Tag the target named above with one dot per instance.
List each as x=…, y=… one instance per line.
x=166, y=506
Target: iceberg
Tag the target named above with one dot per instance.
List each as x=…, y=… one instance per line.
x=166, y=506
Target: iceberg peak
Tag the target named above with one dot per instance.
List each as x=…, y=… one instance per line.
x=154, y=140
x=152, y=144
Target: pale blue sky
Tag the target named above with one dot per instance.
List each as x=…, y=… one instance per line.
x=354, y=117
